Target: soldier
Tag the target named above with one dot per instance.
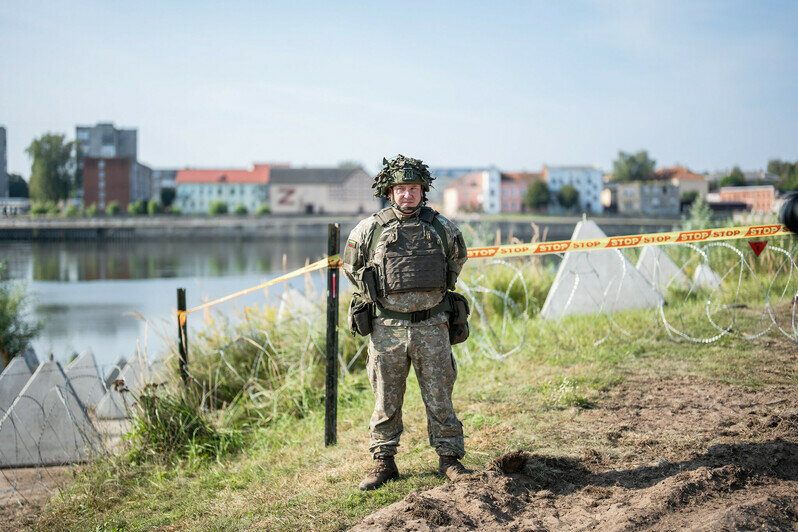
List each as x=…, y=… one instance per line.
x=402, y=260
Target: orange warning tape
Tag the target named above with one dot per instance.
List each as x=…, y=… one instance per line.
x=629, y=241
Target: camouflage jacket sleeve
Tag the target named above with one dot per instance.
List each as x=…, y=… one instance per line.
x=355, y=253
x=457, y=254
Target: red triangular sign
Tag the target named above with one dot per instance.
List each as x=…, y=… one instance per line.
x=758, y=246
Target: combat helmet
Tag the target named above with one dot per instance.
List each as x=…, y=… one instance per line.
x=402, y=170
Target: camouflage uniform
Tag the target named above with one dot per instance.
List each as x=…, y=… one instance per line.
x=396, y=343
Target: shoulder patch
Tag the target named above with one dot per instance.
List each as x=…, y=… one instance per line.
x=351, y=243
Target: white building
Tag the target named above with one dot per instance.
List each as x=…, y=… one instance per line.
x=322, y=191
x=197, y=189
x=587, y=180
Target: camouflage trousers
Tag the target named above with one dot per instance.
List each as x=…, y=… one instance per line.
x=391, y=351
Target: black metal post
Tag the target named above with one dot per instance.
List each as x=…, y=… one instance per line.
x=331, y=388
x=182, y=333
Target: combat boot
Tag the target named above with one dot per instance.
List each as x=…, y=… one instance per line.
x=451, y=468
x=384, y=470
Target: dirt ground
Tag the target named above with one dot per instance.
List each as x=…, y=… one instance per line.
x=665, y=454
x=25, y=491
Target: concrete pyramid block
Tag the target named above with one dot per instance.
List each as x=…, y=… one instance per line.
x=595, y=281
x=116, y=403
x=705, y=277
x=12, y=380
x=85, y=379
x=112, y=372
x=46, y=424
x=30, y=357
x=659, y=270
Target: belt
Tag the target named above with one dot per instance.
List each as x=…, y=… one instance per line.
x=417, y=316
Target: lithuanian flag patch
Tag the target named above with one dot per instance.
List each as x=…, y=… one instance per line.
x=351, y=243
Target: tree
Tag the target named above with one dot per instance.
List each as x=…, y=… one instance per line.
x=168, y=196
x=240, y=210
x=733, y=179
x=263, y=209
x=15, y=331
x=787, y=172
x=537, y=195
x=568, y=196
x=52, y=170
x=17, y=187
x=687, y=198
x=217, y=208
x=633, y=167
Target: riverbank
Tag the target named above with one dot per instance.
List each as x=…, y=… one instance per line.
x=254, y=227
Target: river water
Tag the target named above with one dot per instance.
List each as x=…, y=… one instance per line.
x=111, y=297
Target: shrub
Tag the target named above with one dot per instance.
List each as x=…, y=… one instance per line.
x=217, y=208
x=72, y=211
x=174, y=209
x=38, y=209
x=113, y=209
x=92, y=210
x=15, y=331
x=173, y=426
x=154, y=207
x=137, y=208
x=240, y=210
x=264, y=209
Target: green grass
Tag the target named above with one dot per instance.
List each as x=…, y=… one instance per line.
x=249, y=452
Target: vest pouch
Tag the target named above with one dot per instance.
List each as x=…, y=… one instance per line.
x=458, y=319
x=369, y=280
x=361, y=313
x=451, y=278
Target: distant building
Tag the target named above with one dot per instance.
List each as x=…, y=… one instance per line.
x=162, y=179
x=686, y=180
x=3, y=164
x=513, y=190
x=587, y=180
x=478, y=191
x=445, y=176
x=656, y=198
x=198, y=188
x=111, y=171
x=322, y=191
x=758, y=198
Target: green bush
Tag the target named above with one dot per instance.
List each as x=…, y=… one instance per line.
x=137, y=208
x=173, y=426
x=113, y=209
x=240, y=210
x=264, y=209
x=92, y=210
x=174, y=209
x=72, y=211
x=217, y=208
x=15, y=331
x=154, y=207
x=38, y=209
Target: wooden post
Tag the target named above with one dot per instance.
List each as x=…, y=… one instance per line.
x=331, y=388
x=182, y=333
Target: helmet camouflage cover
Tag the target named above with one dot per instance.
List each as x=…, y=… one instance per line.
x=401, y=170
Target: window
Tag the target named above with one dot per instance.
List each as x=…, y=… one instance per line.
x=101, y=164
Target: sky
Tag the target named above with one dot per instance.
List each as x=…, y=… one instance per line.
x=707, y=84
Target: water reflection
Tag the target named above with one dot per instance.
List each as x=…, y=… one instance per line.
x=109, y=260
x=88, y=294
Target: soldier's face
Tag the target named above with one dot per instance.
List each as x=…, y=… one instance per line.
x=407, y=196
